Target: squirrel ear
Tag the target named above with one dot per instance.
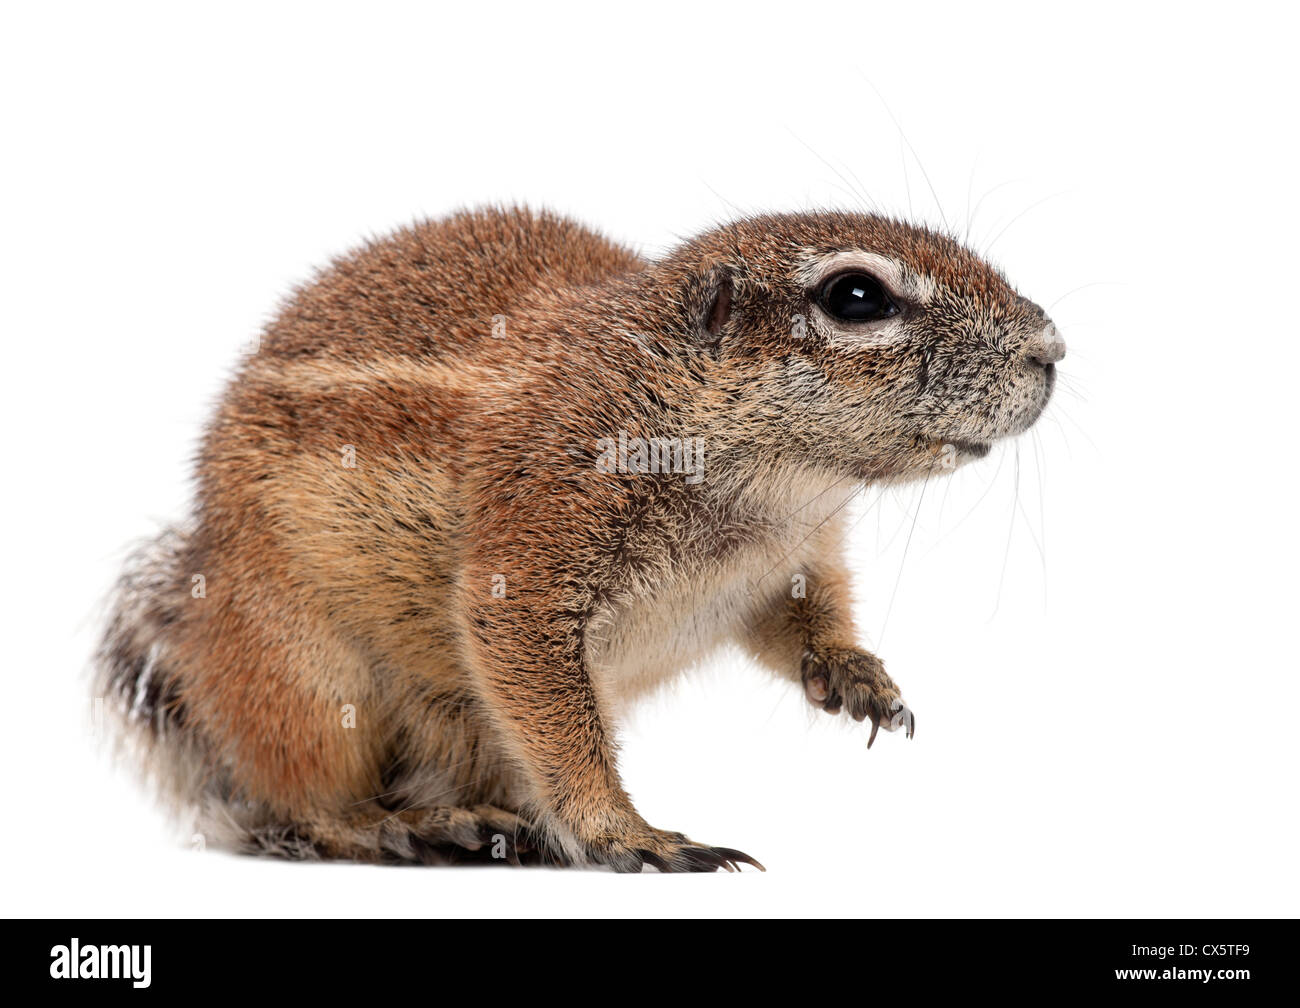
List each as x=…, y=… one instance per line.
x=709, y=298
x=721, y=309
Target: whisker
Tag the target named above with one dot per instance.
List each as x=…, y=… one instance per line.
x=1002, y=457
x=970, y=223
x=840, y=507
x=869, y=508
x=738, y=211
x=924, y=174
x=1011, y=528
x=903, y=562
x=907, y=181
x=1042, y=507
x=866, y=201
x=970, y=190
x=1083, y=287
x=1032, y=206
x=1066, y=414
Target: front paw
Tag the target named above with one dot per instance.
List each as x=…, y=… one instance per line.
x=852, y=679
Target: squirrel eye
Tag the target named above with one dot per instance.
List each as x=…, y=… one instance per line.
x=856, y=297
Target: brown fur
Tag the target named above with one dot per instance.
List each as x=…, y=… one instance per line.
x=480, y=716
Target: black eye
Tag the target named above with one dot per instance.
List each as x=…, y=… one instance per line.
x=856, y=297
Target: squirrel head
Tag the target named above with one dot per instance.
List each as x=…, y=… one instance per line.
x=859, y=344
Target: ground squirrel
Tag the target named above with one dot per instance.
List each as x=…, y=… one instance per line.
x=489, y=478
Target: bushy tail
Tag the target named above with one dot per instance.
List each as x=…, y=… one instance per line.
x=137, y=678
x=140, y=678
x=131, y=666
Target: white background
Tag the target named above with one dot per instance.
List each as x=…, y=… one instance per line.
x=1095, y=626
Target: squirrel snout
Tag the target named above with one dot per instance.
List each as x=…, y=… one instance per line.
x=1047, y=347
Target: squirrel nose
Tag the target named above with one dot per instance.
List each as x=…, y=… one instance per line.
x=1047, y=347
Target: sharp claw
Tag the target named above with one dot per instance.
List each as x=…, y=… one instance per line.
x=697, y=858
x=713, y=854
x=911, y=724
x=701, y=859
x=875, y=727
x=739, y=857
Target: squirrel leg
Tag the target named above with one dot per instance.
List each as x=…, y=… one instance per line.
x=531, y=672
x=807, y=635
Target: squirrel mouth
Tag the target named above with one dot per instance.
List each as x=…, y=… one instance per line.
x=977, y=449
x=971, y=449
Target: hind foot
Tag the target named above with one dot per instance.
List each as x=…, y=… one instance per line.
x=441, y=835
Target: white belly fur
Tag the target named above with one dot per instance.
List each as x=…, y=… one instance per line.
x=698, y=609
